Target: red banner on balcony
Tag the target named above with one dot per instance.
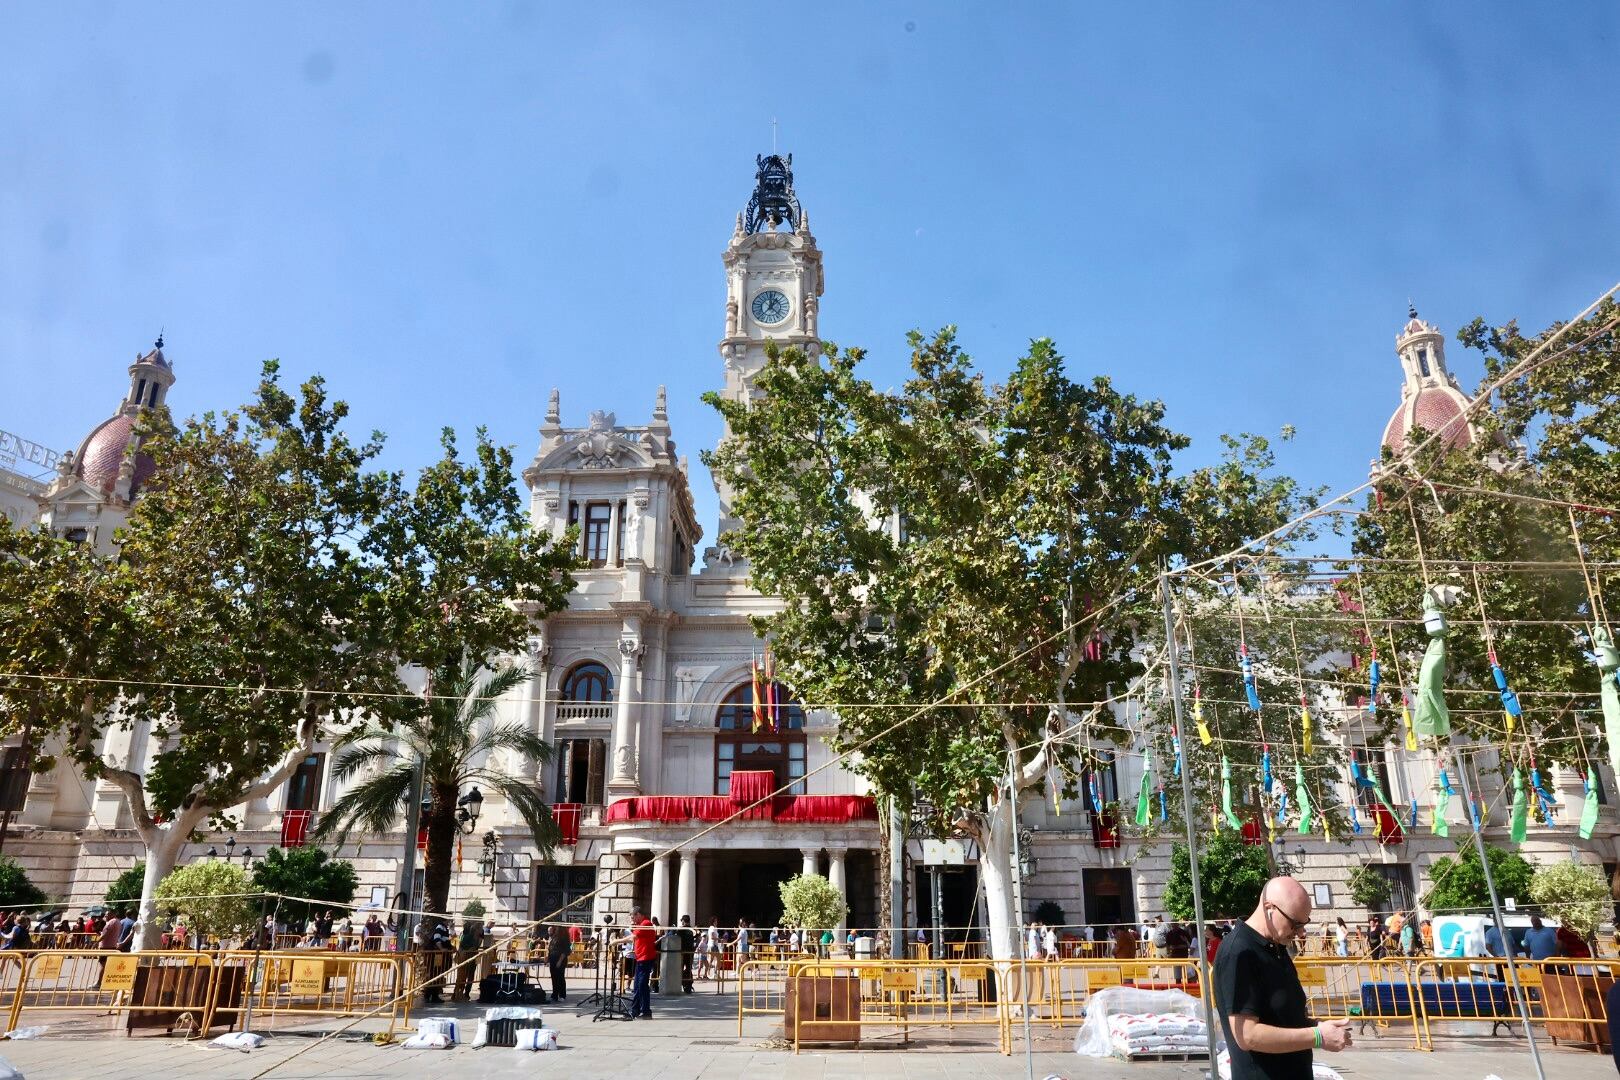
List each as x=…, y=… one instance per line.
x=295, y=827
x=1389, y=829
x=566, y=815
x=1104, y=830
x=1253, y=833
x=805, y=809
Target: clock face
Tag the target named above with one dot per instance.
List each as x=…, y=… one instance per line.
x=769, y=307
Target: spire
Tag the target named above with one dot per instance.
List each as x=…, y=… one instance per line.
x=1411, y=309
x=554, y=407
x=661, y=405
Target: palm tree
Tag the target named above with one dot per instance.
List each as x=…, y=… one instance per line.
x=454, y=738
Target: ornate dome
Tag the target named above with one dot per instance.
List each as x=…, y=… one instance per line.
x=1432, y=408
x=102, y=454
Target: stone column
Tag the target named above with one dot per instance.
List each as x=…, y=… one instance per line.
x=686, y=886
x=660, y=888
x=812, y=860
x=613, y=534
x=624, y=781
x=534, y=700
x=835, y=875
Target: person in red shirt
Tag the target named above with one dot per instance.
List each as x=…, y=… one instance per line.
x=645, y=938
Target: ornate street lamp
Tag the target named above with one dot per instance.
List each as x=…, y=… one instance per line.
x=468, y=808
x=489, y=862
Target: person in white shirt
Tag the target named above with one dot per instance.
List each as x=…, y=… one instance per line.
x=1341, y=938
x=795, y=941
x=1049, y=943
x=1032, y=944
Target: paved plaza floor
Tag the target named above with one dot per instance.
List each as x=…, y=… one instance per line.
x=695, y=1038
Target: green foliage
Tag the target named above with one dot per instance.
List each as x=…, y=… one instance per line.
x=960, y=527
x=16, y=891
x=1575, y=894
x=1566, y=414
x=214, y=898
x=474, y=909
x=269, y=579
x=1459, y=884
x=306, y=872
x=811, y=902
x=124, y=894
x=1049, y=912
x=1230, y=876
x=1369, y=888
x=460, y=743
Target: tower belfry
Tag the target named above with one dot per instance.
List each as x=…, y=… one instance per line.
x=773, y=285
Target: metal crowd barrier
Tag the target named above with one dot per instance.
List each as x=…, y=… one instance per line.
x=1566, y=997
x=197, y=991
x=897, y=996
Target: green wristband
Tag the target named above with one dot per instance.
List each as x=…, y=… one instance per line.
x=1318, y=1036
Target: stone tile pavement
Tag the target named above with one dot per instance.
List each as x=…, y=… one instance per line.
x=695, y=1039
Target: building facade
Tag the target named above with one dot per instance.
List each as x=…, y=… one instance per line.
x=646, y=688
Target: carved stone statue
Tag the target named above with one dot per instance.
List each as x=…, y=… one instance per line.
x=554, y=407
x=632, y=528
x=624, y=761
x=731, y=317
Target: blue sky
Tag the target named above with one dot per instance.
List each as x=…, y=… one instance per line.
x=450, y=209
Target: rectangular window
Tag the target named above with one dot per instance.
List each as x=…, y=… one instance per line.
x=304, y=787
x=598, y=516
x=580, y=770
x=14, y=778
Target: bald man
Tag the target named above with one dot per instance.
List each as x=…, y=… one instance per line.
x=1263, y=1009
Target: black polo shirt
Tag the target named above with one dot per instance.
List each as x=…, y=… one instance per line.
x=1256, y=977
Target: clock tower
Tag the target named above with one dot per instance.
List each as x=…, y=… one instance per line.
x=773, y=286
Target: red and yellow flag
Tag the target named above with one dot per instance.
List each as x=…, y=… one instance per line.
x=759, y=698
x=770, y=690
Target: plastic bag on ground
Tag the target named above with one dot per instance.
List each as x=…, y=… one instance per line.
x=27, y=1033
x=536, y=1039
x=238, y=1040
x=1319, y=1071
x=1147, y=1009
x=421, y=1041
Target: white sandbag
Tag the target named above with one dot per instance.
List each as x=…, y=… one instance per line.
x=536, y=1039
x=435, y=1025
x=435, y=1041
x=512, y=1012
x=238, y=1040
x=481, y=1034
x=1112, y=1011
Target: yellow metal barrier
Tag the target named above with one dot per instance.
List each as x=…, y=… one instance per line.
x=1564, y=996
x=315, y=983
x=896, y=996
x=149, y=989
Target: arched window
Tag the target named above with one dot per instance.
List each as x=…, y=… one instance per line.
x=588, y=682
x=778, y=745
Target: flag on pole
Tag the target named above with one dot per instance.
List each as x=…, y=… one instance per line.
x=759, y=698
x=772, y=720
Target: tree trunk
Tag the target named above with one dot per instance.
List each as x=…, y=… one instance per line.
x=441, y=846
x=163, y=846
x=995, y=870
x=885, y=912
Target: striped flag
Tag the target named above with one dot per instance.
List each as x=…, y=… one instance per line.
x=759, y=699
x=771, y=703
